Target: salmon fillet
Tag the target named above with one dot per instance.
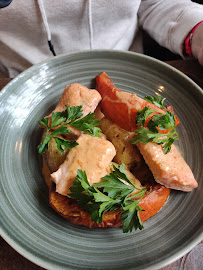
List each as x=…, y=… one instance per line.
x=92, y=155
x=170, y=170
x=79, y=95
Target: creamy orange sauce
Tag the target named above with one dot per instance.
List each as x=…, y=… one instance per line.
x=134, y=102
x=93, y=155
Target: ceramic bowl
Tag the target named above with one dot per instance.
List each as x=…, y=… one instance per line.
x=27, y=221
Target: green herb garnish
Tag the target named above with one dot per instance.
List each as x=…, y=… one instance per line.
x=109, y=195
x=159, y=121
x=158, y=102
x=71, y=116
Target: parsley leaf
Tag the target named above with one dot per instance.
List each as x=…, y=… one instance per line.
x=44, y=122
x=162, y=121
x=169, y=142
x=88, y=125
x=66, y=143
x=142, y=115
x=158, y=102
x=61, y=130
x=109, y=195
x=57, y=119
x=130, y=216
x=73, y=113
x=144, y=135
x=44, y=145
x=160, y=129
x=71, y=116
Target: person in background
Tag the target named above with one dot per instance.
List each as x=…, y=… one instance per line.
x=34, y=30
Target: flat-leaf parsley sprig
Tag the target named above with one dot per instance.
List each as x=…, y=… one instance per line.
x=59, y=121
x=109, y=195
x=157, y=101
x=161, y=128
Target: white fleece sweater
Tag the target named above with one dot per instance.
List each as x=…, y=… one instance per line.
x=89, y=24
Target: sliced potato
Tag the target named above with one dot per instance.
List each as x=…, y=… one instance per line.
x=125, y=152
x=54, y=157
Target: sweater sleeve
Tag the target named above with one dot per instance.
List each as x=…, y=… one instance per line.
x=169, y=21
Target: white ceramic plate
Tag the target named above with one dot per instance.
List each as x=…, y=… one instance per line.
x=28, y=223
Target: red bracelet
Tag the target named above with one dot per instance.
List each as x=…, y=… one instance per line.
x=188, y=40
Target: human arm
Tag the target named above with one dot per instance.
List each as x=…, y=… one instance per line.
x=169, y=22
x=197, y=43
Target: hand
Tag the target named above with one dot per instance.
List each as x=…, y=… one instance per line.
x=197, y=43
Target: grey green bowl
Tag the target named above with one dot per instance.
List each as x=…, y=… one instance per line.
x=28, y=223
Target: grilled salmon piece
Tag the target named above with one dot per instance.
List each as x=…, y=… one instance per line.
x=171, y=169
x=79, y=95
x=92, y=155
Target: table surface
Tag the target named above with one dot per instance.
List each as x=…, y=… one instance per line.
x=12, y=260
